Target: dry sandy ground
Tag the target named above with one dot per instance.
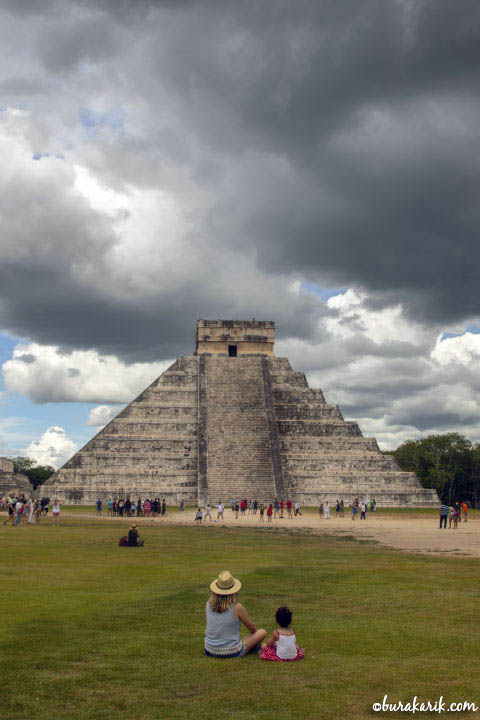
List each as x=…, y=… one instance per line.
x=419, y=534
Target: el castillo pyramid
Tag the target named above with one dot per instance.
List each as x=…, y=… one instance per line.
x=234, y=421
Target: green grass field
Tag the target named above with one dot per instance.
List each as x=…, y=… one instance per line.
x=92, y=630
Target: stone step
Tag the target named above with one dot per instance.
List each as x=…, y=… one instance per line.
x=169, y=395
x=314, y=444
x=305, y=412
x=159, y=427
x=150, y=411
x=171, y=439
x=324, y=464
x=125, y=461
x=315, y=429
x=279, y=364
x=294, y=379
x=341, y=479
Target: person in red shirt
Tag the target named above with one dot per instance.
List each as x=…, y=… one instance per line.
x=281, y=508
x=243, y=505
x=269, y=513
x=465, y=511
x=289, y=509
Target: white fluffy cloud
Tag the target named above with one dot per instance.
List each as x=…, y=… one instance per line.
x=54, y=448
x=44, y=374
x=102, y=414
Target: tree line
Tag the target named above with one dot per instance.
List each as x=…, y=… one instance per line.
x=449, y=463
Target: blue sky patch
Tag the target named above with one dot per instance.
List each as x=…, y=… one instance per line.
x=322, y=292
x=22, y=420
x=92, y=121
x=472, y=328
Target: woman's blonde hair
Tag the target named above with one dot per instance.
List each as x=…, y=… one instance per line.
x=221, y=603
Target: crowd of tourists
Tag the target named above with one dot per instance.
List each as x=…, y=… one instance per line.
x=29, y=511
x=149, y=507
x=240, y=508
x=279, y=508
x=356, y=507
x=453, y=513
x=21, y=510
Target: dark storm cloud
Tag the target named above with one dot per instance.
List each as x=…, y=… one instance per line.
x=61, y=254
x=335, y=141
x=433, y=417
x=373, y=106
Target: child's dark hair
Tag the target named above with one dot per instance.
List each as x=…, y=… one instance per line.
x=283, y=616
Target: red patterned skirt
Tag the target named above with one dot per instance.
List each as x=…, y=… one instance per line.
x=269, y=653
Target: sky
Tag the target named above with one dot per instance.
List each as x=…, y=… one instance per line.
x=313, y=163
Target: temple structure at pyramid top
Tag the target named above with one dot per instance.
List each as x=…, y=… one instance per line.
x=235, y=338
x=234, y=421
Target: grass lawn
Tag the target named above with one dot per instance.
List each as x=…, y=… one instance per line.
x=92, y=630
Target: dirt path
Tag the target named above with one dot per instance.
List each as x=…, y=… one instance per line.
x=411, y=534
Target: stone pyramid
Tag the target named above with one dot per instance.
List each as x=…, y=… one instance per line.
x=234, y=421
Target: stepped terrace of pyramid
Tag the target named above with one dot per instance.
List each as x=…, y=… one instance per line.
x=234, y=421
x=12, y=483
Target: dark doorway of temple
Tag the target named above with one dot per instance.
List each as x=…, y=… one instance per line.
x=232, y=351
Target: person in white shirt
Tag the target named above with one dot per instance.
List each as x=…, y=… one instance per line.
x=31, y=508
x=56, y=511
x=220, y=509
x=18, y=511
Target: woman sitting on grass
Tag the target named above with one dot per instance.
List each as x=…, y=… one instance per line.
x=224, y=615
x=134, y=537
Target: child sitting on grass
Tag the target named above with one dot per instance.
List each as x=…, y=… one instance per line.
x=283, y=643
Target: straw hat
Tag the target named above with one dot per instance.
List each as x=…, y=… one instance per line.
x=225, y=584
x=133, y=527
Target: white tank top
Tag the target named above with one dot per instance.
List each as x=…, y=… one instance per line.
x=286, y=647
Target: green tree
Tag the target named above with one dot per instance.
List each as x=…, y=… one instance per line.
x=22, y=464
x=475, y=476
x=37, y=474
x=444, y=462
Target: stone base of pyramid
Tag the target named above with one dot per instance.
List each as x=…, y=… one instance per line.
x=213, y=427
